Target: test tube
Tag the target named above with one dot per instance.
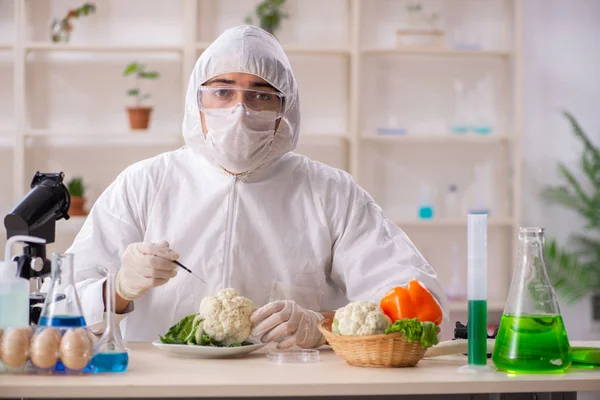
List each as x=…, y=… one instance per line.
x=477, y=289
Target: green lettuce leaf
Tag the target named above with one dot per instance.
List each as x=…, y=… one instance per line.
x=415, y=330
x=429, y=336
x=196, y=326
x=189, y=331
x=178, y=333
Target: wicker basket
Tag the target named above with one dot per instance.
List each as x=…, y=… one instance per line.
x=379, y=351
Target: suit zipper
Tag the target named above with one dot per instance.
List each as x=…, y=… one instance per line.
x=229, y=233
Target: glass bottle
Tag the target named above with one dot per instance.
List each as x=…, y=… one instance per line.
x=425, y=203
x=531, y=337
x=110, y=354
x=460, y=117
x=483, y=106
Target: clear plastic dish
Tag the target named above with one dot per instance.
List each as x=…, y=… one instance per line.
x=298, y=356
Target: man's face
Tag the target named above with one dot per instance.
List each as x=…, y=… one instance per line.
x=240, y=81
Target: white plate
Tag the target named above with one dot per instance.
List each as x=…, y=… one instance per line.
x=183, y=350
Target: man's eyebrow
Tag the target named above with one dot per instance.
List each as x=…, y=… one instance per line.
x=221, y=80
x=255, y=84
x=262, y=85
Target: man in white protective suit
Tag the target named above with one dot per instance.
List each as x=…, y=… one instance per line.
x=242, y=211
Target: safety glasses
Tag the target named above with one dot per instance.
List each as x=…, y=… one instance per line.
x=211, y=97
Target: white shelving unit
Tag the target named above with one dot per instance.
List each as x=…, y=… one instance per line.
x=94, y=48
x=67, y=101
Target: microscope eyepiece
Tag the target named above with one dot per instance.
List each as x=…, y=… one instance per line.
x=36, y=215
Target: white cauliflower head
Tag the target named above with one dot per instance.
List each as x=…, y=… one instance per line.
x=226, y=316
x=360, y=318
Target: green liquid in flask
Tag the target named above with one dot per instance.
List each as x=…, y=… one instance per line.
x=532, y=344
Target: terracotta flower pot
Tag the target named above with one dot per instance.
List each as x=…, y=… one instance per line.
x=77, y=204
x=139, y=117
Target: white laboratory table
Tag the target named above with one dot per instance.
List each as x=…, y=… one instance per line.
x=154, y=374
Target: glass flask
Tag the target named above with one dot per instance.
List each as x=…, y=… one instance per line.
x=110, y=354
x=460, y=117
x=62, y=315
x=62, y=307
x=531, y=337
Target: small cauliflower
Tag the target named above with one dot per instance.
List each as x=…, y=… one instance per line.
x=226, y=317
x=360, y=318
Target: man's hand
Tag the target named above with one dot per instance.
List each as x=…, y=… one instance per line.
x=285, y=320
x=145, y=265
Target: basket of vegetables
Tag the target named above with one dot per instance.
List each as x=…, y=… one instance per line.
x=395, y=333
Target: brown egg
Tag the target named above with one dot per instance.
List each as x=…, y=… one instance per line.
x=44, y=348
x=76, y=348
x=15, y=346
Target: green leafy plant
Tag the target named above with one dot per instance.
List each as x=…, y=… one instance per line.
x=575, y=272
x=76, y=187
x=84, y=10
x=269, y=15
x=139, y=71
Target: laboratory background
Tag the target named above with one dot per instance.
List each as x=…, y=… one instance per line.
x=436, y=108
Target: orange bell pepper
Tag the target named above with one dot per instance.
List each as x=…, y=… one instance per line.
x=411, y=301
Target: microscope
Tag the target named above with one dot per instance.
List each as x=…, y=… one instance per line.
x=47, y=202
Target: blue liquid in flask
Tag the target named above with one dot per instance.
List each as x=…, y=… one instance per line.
x=426, y=212
x=482, y=130
x=110, y=362
x=460, y=129
x=62, y=321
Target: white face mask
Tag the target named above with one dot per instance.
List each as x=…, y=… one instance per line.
x=238, y=138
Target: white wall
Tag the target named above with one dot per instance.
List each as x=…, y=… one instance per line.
x=561, y=63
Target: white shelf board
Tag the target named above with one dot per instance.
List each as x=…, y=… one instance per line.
x=321, y=138
x=446, y=138
x=495, y=306
x=65, y=138
x=440, y=52
x=5, y=46
x=450, y=223
x=298, y=49
x=98, y=48
x=74, y=139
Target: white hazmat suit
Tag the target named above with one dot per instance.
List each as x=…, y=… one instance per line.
x=291, y=229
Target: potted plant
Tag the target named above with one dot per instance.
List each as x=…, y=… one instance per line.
x=77, y=192
x=575, y=272
x=139, y=115
x=61, y=28
x=269, y=15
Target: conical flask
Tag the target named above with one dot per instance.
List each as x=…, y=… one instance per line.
x=110, y=354
x=531, y=337
x=62, y=321
x=62, y=307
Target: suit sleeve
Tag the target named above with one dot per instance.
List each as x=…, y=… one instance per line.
x=372, y=255
x=117, y=219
